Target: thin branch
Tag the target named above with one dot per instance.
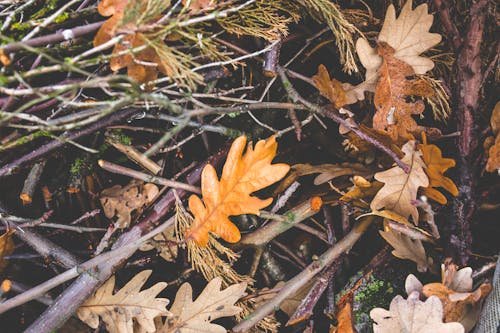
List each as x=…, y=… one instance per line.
x=335, y=116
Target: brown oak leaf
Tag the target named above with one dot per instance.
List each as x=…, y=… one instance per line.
x=436, y=166
x=6, y=248
x=120, y=202
x=401, y=188
x=331, y=89
x=242, y=175
x=408, y=35
x=141, y=66
x=394, y=112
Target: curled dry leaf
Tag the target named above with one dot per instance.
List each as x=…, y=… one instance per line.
x=326, y=172
x=122, y=201
x=400, y=188
x=394, y=111
x=242, y=175
x=413, y=316
x=407, y=248
x=6, y=248
x=361, y=192
x=494, y=151
x=436, y=166
x=460, y=302
x=143, y=65
x=196, y=316
x=331, y=89
x=408, y=35
x=119, y=311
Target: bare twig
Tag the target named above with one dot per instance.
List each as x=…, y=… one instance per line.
x=115, y=168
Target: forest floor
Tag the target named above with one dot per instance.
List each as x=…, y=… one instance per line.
x=267, y=166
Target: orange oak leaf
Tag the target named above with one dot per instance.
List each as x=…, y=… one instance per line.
x=394, y=112
x=143, y=65
x=401, y=188
x=242, y=175
x=331, y=89
x=436, y=166
x=494, y=151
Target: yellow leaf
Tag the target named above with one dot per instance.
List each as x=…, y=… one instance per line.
x=436, y=167
x=400, y=188
x=242, y=175
x=6, y=248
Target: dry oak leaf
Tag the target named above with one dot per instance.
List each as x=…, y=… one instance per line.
x=242, y=175
x=119, y=311
x=394, y=111
x=460, y=302
x=143, y=66
x=6, y=248
x=413, y=316
x=400, y=188
x=331, y=89
x=436, y=166
x=493, y=162
x=213, y=303
x=408, y=35
x=407, y=248
x=122, y=201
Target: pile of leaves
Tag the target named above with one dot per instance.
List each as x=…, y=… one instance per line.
x=156, y=150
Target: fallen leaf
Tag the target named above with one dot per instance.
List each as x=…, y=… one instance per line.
x=119, y=311
x=413, y=316
x=242, y=175
x=196, y=316
x=460, y=302
x=436, y=166
x=407, y=248
x=400, y=188
x=143, y=65
x=6, y=248
x=345, y=318
x=493, y=162
x=361, y=192
x=331, y=89
x=408, y=35
x=122, y=201
x=394, y=111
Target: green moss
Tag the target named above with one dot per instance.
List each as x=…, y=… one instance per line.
x=61, y=18
x=372, y=294
x=118, y=136
x=20, y=26
x=80, y=166
x=48, y=7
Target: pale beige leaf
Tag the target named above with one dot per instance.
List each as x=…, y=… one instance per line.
x=407, y=248
x=413, y=316
x=408, y=35
x=412, y=283
x=213, y=303
x=119, y=311
x=400, y=188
